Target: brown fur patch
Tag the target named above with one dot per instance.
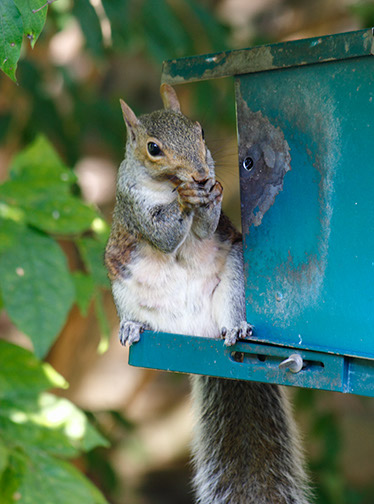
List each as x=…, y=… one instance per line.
x=226, y=230
x=118, y=252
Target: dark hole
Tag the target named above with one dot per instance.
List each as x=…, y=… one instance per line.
x=261, y=358
x=309, y=364
x=238, y=356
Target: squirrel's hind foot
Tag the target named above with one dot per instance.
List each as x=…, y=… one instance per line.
x=242, y=332
x=129, y=332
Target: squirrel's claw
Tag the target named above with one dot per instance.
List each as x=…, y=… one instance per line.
x=242, y=332
x=192, y=194
x=129, y=332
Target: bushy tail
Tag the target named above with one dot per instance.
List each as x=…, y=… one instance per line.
x=246, y=447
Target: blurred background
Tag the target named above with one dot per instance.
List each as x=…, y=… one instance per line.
x=90, y=54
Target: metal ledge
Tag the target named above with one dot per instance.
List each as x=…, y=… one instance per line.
x=253, y=362
x=269, y=57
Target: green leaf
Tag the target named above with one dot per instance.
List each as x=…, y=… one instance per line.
x=164, y=33
x=40, y=165
x=36, y=477
x=23, y=376
x=213, y=29
x=21, y=432
x=84, y=289
x=92, y=252
x=40, y=185
x=37, y=288
x=4, y=454
x=364, y=11
x=11, y=32
x=12, y=477
x=53, y=424
x=60, y=214
x=121, y=21
x=33, y=22
x=52, y=481
x=89, y=22
x=29, y=416
x=10, y=232
x=36, y=426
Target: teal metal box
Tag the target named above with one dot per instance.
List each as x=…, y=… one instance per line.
x=307, y=185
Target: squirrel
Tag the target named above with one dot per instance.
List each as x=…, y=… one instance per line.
x=175, y=263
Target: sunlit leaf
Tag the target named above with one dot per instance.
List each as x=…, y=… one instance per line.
x=23, y=376
x=36, y=287
x=60, y=214
x=16, y=427
x=35, y=427
x=53, y=424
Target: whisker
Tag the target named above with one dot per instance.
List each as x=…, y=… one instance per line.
x=176, y=187
x=224, y=151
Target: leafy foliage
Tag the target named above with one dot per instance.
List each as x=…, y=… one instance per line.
x=36, y=286
x=37, y=431
x=50, y=205
x=37, y=203
x=149, y=31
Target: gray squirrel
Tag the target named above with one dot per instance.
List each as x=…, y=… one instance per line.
x=175, y=263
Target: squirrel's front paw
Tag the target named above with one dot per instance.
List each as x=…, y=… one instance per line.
x=129, y=332
x=242, y=332
x=192, y=194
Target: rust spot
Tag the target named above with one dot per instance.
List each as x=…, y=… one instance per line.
x=264, y=159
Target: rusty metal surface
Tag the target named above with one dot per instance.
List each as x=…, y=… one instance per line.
x=310, y=263
x=264, y=159
x=252, y=361
x=269, y=57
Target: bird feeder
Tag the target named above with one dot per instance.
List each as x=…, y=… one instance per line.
x=305, y=123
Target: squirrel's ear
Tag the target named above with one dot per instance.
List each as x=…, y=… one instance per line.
x=169, y=98
x=130, y=119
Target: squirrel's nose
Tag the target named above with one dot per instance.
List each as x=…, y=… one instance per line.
x=201, y=182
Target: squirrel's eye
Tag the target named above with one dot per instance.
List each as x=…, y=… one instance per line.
x=202, y=133
x=153, y=149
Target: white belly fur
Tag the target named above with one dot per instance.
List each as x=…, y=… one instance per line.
x=174, y=292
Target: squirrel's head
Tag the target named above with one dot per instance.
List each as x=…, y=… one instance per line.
x=168, y=144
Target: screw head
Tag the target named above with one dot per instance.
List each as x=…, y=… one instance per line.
x=248, y=163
